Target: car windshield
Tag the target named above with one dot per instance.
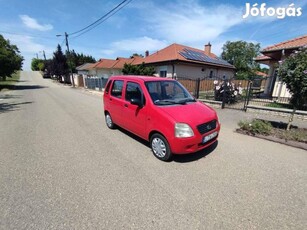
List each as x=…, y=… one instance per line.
x=168, y=93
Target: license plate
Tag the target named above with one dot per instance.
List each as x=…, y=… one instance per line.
x=209, y=137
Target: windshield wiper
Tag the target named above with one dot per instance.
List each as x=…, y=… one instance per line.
x=172, y=102
x=189, y=100
x=164, y=102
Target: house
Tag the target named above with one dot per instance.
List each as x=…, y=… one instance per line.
x=273, y=56
x=108, y=67
x=176, y=61
x=83, y=69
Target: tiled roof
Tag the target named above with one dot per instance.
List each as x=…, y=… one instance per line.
x=105, y=64
x=118, y=63
x=174, y=52
x=85, y=66
x=261, y=74
x=293, y=43
x=262, y=58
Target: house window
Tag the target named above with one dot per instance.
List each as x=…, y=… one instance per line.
x=211, y=74
x=163, y=73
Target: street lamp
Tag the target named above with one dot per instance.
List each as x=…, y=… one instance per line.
x=70, y=65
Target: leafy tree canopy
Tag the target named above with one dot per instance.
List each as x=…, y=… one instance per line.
x=241, y=54
x=10, y=58
x=138, y=70
x=136, y=55
x=75, y=59
x=293, y=72
x=37, y=64
x=59, y=66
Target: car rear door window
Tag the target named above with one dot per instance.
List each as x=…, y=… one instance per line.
x=108, y=86
x=117, y=88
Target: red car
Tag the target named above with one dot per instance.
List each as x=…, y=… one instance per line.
x=161, y=111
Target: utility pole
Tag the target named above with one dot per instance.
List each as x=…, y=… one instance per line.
x=69, y=59
x=44, y=55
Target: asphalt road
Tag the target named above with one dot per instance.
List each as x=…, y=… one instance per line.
x=61, y=168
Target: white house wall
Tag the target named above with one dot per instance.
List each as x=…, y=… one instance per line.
x=194, y=71
x=280, y=90
x=106, y=73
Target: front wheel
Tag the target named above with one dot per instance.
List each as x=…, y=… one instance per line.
x=160, y=147
x=109, y=121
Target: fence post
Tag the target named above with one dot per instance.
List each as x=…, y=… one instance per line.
x=224, y=94
x=197, y=88
x=85, y=82
x=247, y=97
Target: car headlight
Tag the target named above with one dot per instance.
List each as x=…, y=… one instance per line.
x=183, y=130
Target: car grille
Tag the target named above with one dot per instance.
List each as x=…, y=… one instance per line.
x=206, y=127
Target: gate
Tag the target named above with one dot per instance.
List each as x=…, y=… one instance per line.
x=234, y=94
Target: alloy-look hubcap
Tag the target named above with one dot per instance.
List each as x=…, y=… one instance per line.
x=158, y=147
x=109, y=120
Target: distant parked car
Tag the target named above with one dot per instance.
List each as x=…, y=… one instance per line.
x=46, y=75
x=162, y=112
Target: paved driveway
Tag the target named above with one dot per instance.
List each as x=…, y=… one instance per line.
x=61, y=168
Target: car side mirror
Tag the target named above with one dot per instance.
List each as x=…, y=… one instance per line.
x=136, y=101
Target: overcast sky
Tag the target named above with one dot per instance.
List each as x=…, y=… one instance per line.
x=141, y=25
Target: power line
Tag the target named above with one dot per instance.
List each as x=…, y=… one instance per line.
x=110, y=15
x=30, y=35
x=103, y=18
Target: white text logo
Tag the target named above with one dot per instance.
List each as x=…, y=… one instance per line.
x=280, y=12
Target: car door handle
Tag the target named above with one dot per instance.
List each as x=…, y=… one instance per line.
x=126, y=105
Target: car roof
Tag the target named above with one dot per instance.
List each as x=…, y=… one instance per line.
x=139, y=77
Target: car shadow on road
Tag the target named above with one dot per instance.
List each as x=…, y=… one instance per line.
x=185, y=158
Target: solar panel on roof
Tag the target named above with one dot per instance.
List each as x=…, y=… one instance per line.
x=199, y=56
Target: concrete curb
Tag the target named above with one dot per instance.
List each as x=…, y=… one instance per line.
x=294, y=144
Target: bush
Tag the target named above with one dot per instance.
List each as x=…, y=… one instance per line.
x=256, y=127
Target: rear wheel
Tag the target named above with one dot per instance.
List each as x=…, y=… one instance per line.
x=109, y=121
x=160, y=147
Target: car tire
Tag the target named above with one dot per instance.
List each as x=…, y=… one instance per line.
x=160, y=147
x=109, y=121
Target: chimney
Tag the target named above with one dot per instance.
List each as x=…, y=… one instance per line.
x=208, y=49
x=146, y=53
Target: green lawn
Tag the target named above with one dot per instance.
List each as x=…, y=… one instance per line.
x=279, y=105
x=9, y=83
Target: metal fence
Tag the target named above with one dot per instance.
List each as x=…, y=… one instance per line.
x=95, y=82
x=235, y=93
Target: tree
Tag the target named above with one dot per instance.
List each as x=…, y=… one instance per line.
x=37, y=64
x=293, y=72
x=76, y=59
x=138, y=70
x=136, y=55
x=59, y=66
x=241, y=54
x=10, y=58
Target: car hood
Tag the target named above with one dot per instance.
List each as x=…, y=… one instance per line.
x=190, y=113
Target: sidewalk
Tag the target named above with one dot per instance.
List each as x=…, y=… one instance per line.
x=231, y=117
